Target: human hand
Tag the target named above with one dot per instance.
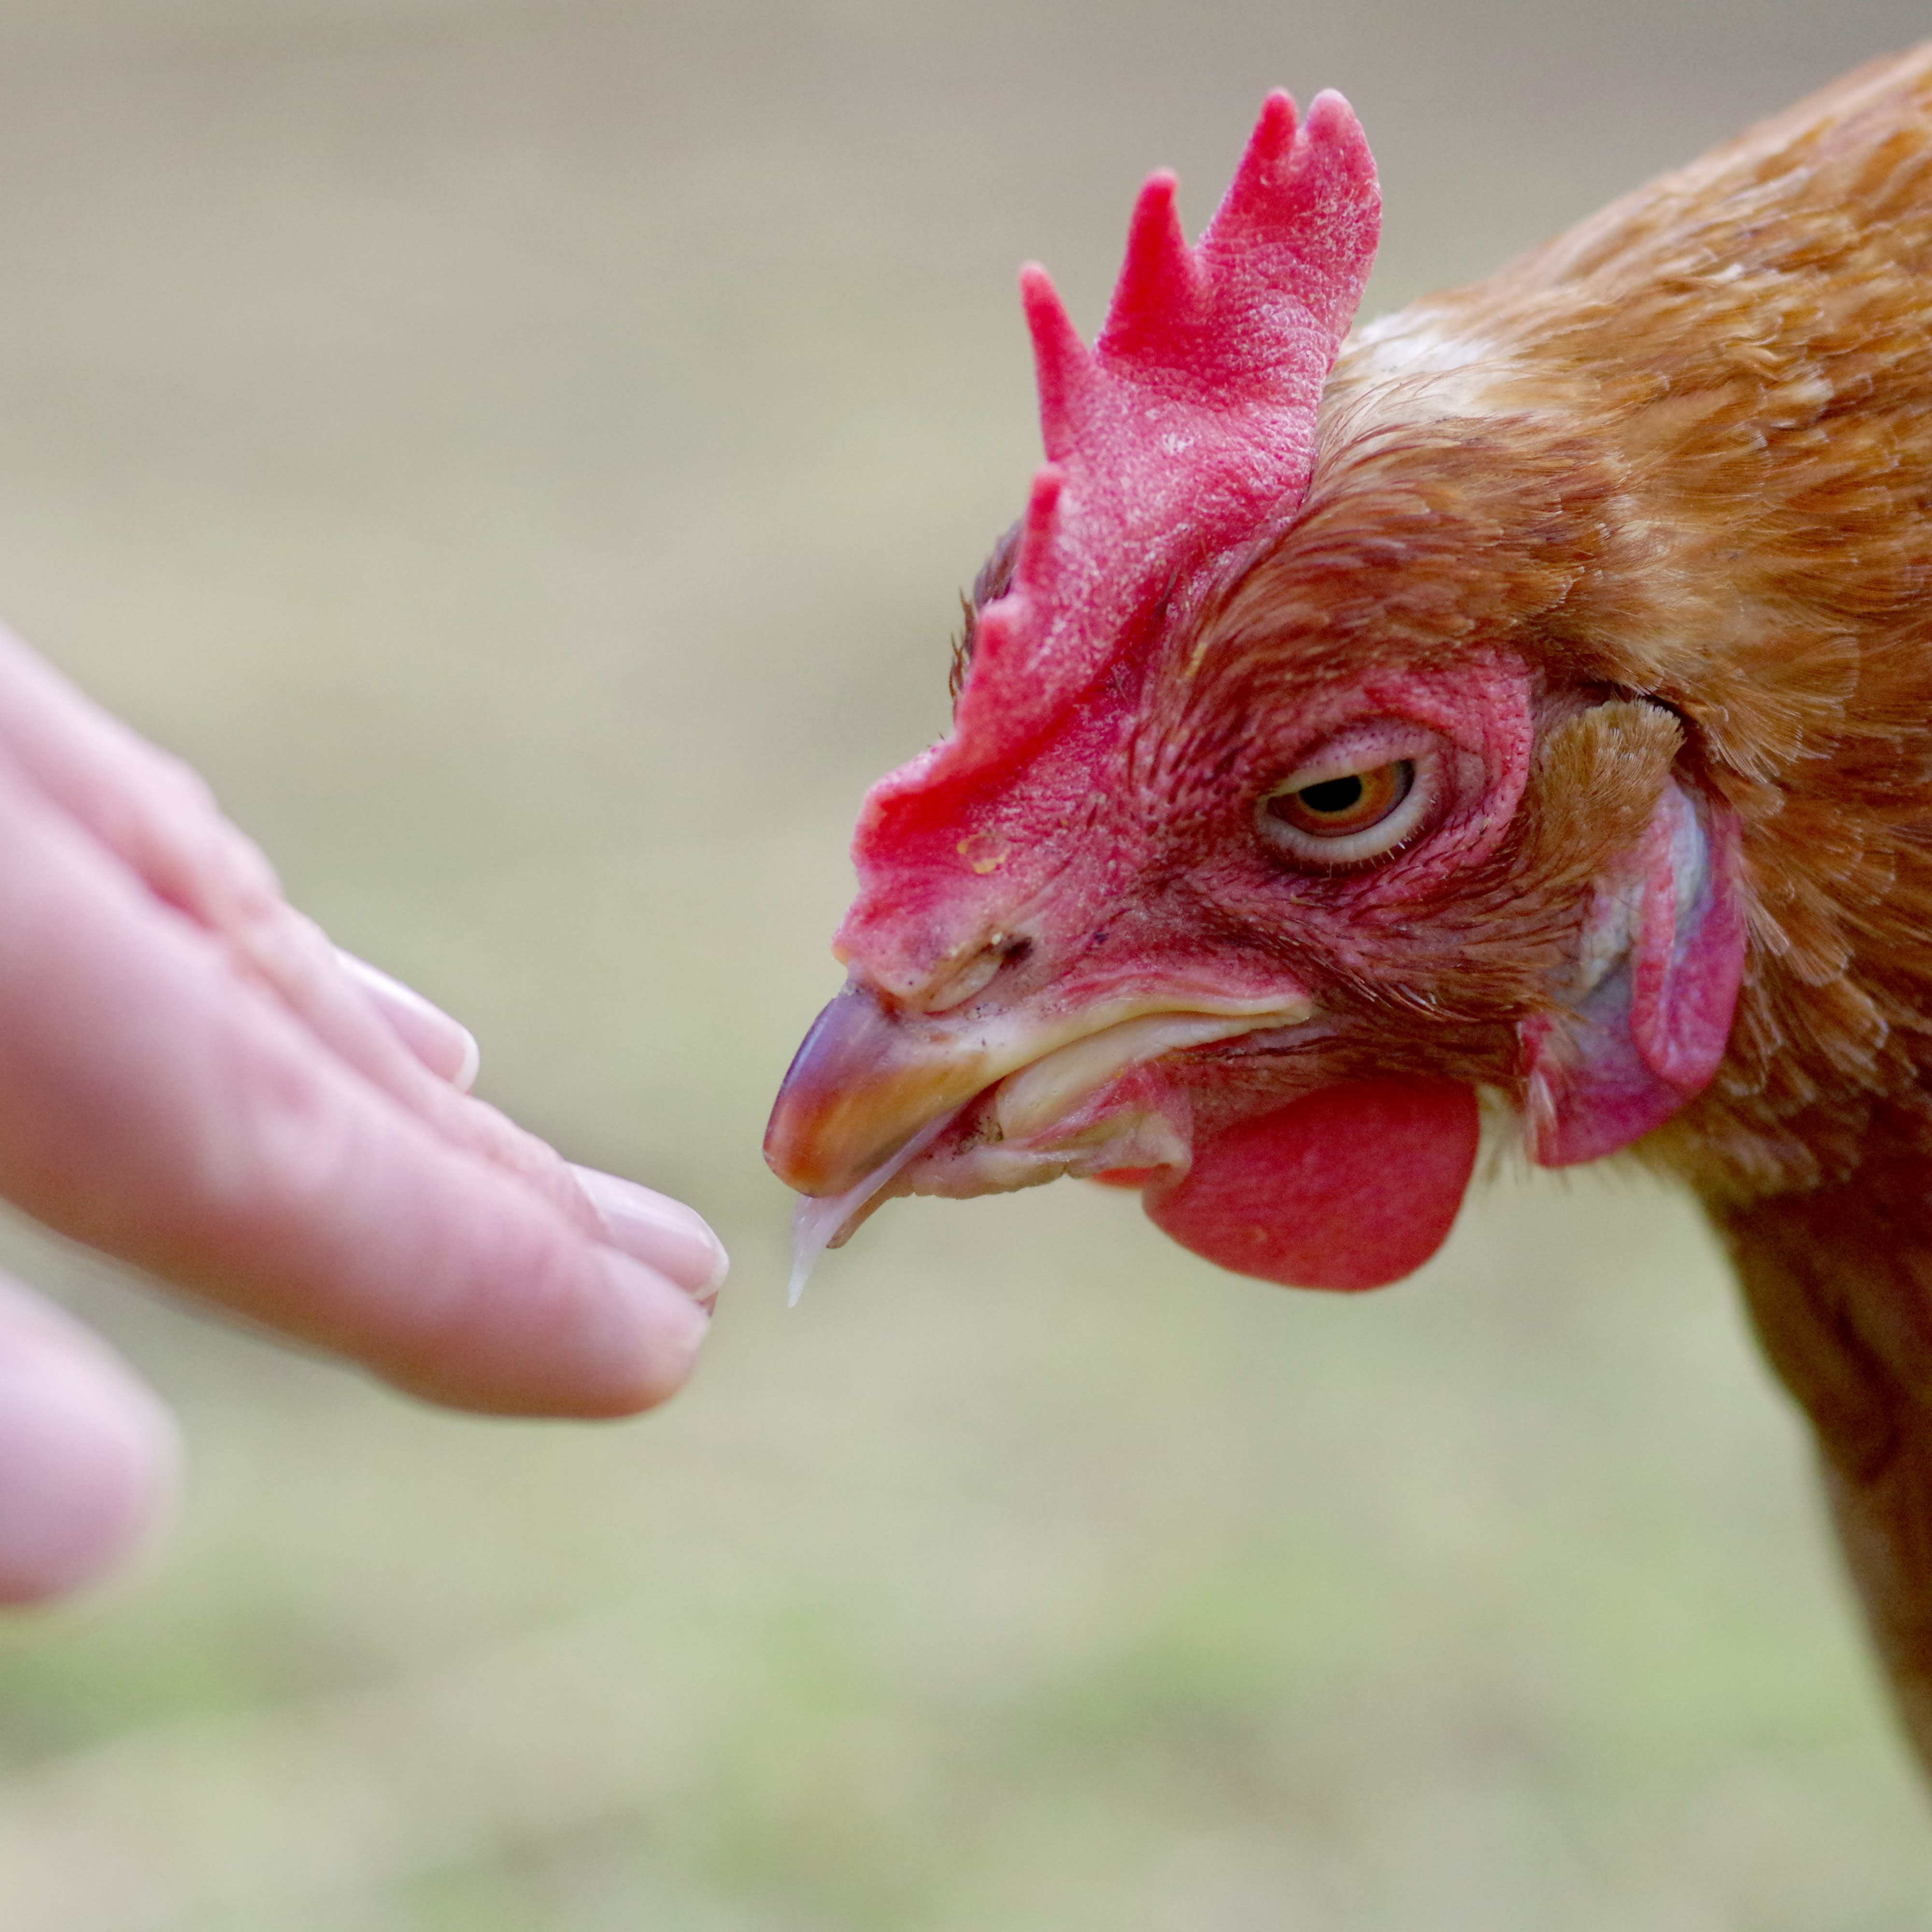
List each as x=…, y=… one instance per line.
x=193, y=1078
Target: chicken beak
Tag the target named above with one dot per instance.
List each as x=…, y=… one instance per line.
x=869, y=1079
x=865, y=1081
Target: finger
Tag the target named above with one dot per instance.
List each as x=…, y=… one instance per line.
x=89, y=1458
x=154, y=1105
x=447, y=1049
x=152, y=811
x=663, y=1234
x=157, y=816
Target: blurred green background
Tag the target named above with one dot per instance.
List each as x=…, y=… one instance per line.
x=525, y=454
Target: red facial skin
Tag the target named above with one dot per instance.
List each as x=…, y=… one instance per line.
x=1163, y=881
x=1130, y=852
x=1131, y=862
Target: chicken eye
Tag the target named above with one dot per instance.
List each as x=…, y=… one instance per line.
x=1333, y=808
x=1334, y=812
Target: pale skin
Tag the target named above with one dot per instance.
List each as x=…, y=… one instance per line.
x=194, y=1080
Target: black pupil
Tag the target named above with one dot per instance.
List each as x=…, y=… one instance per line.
x=1333, y=797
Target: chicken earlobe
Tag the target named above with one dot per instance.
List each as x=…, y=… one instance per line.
x=1662, y=958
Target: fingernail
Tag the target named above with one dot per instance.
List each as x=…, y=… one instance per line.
x=445, y=1046
x=471, y=1064
x=662, y=1233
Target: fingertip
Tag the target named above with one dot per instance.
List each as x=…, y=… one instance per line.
x=90, y=1469
x=445, y=1045
x=660, y=1330
x=671, y=1326
x=611, y=1338
x=663, y=1233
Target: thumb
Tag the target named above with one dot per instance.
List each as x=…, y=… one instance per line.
x=89, y=1457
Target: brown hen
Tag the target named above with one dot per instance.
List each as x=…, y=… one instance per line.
x=1538, y=701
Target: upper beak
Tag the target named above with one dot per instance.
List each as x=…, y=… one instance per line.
x=867, y=1078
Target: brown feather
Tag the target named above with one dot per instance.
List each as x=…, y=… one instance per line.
x=1684, y=453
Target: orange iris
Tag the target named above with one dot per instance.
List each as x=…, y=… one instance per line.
x=1332, y=808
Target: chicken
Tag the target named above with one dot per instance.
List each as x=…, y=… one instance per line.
x=1530, y=697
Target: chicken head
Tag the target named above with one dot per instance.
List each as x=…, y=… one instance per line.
x=1269, y=833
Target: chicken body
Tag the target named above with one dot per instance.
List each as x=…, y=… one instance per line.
x=1557, y=726
x=1746, y=347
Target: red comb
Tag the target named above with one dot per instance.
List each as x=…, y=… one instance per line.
x=1187, y=429
x=1190, y=424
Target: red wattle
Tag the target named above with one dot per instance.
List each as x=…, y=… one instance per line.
x=1352, y=1187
